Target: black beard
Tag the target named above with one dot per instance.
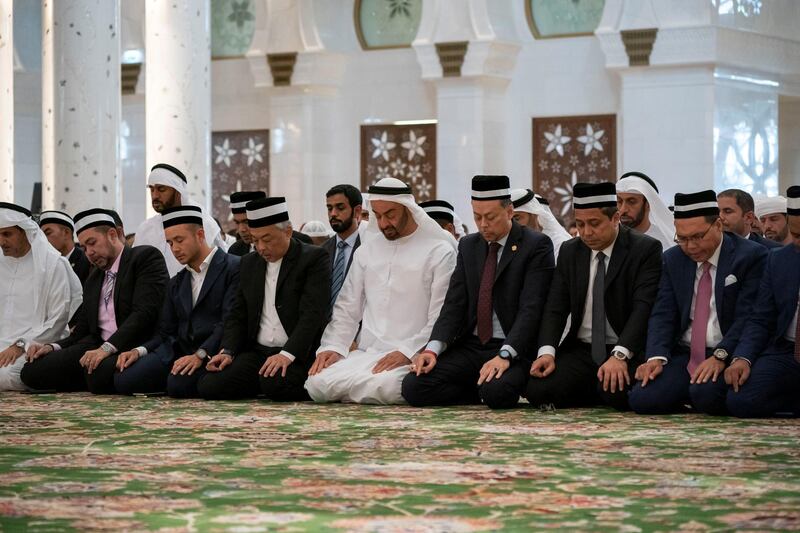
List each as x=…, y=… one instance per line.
x=342, y=226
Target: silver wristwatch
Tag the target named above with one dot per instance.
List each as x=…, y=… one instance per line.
x=721, y=354
x=20, y=343
x=108, y=347
x=201, y=354
x=619, y=355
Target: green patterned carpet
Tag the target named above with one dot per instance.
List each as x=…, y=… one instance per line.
x=95, y=463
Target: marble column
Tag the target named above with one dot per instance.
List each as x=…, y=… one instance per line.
x=673, y=141
x=303, y=139
x=6, y=101
x=178, y=90
x=80, y=104
x=470, y=135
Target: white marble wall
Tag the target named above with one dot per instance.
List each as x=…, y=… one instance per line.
x=6, y=101
x=789, y=135
x=178, y=90
x=80, y=104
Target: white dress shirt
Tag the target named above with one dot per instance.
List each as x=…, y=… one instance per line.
x=199, y=276
x=270, y=329
x=585, y=329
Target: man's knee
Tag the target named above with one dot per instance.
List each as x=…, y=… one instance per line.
x=125, y=383
x=646, y=401
x=746, y=403
x=212, y=387
x=181, y=386
x=617, y=400
x=318, y=388
x=282, y=389
x=414, y=390
x=709, y=398
x=499, y=396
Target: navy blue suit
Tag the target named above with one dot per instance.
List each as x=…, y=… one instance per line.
x=773, y=383
x=185, y=328
x=739, y=258
x=763, y=241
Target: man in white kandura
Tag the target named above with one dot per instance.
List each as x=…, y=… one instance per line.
x=168, y=188
x=641, y=208
x=395, y=288
x=38, y=289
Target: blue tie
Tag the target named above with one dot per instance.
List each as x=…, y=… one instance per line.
x=337, y=278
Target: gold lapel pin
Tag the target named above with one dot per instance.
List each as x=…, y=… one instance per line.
x=513, y=247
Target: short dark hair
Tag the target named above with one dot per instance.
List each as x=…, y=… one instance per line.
x=710, y=219
x=352, y=194
x=743, y=199
x=505, y=202
x=609, y=211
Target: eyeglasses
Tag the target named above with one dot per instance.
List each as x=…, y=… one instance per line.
x=694, y=239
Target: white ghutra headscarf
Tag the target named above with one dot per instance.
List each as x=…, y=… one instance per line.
x=661, y=219
x=394, y=190
x=46, y=260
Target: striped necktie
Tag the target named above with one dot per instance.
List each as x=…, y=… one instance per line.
x=108, y=288
x=337, y=278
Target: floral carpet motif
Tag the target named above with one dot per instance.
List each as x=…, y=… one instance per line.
x=102, y=463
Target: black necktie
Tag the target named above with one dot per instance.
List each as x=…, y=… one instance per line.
x=599, y=312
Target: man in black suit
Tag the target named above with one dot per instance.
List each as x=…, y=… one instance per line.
x=481, y=344
x=198, y=298
x=737, y=214
x=59, y=229
x=607, y=280
x=121, y=301
x=279, y=311
x=343, y=203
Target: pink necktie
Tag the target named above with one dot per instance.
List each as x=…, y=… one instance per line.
x=702, y=310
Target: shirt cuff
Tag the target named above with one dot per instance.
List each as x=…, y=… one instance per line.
x=745, y=359
x=55, y=346
x=287, y=355
x=142, y=351
x=436, y=347
x=661, y=358
x=623, y=350
x=546, y=350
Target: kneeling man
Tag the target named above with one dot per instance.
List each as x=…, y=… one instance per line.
x=483, y=340
x=706, y=294
x=395, y=289
x=278, y=313
x=198, y=298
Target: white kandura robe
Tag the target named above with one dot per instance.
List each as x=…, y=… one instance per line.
x=396, y=290
x=40, y=316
